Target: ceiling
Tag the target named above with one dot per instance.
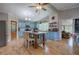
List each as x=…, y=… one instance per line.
x=22, y=10
x=65, y=6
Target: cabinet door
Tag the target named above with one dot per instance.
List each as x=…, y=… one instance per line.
x=53, y=35
x=49, y=36
x=56, y=35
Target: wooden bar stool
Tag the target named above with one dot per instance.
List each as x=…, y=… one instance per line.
x=27, y=40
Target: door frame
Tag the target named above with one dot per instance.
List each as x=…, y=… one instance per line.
x=15, y=29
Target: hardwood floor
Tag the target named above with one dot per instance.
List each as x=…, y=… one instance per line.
x=52, y=48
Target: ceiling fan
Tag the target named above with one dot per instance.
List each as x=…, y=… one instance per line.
x=39, y=6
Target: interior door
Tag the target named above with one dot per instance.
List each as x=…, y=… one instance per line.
x=13, y=30
x=3, y=33
x=76, y=25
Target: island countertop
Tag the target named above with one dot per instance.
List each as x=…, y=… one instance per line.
x=39, y=32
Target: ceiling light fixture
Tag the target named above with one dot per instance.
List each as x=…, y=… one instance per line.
x=39, y=7
x=27, y=18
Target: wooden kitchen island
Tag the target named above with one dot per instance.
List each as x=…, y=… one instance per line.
x=36, y=34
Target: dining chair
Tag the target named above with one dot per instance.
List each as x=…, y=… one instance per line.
x=27, y=40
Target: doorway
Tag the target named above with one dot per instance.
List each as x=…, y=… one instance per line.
x=13, y=30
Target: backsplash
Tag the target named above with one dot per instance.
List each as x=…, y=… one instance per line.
x=22, y=26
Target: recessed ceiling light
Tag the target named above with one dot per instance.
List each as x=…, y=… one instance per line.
x=27, y=18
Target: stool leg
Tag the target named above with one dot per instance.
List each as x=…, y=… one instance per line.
x=27, y=44
x=31, y=42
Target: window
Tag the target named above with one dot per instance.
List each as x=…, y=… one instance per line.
x=43, y=26
x=67, y=25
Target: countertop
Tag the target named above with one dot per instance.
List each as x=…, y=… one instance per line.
x=39, y=32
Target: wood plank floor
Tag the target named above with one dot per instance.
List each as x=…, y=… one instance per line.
x=16, y=47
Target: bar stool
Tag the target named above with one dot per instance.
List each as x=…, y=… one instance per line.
x=27, y=40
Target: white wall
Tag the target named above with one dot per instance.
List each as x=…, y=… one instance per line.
x=3, y=16
x=8, y=18
x=70, y=14
x=11, y=18
x=68, y=23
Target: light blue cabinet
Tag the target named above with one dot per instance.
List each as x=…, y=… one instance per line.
x=53, y=35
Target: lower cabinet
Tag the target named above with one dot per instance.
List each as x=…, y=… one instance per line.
x=53, y=35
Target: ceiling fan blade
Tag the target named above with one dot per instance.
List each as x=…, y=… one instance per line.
x=44, y=9
x=39, y=3
x=44, y=3
x=31, y=6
